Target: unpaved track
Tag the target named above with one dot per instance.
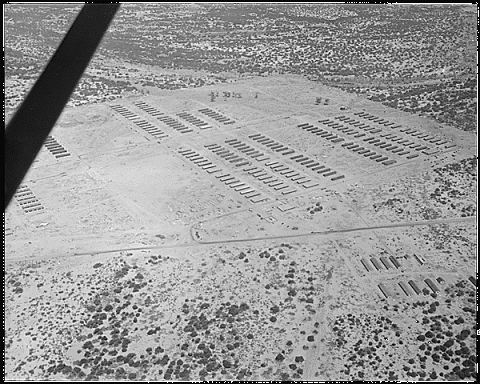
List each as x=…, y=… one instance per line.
x=339, y=231
x=197, y=243
x=316, y=357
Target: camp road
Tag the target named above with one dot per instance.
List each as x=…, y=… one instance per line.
x=197, y=243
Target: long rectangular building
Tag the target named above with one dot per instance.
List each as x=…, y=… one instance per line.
x=376, y=264
x=431, y=285
x=414, y=286
x=366, y=264
x=384, y=290
x=405, y=288
x=395, y=262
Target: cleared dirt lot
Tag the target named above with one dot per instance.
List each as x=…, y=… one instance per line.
x=188, y=239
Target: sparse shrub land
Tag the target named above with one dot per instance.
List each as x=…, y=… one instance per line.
x=417, y=58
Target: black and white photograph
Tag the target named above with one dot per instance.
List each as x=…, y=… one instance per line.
x=234, y=191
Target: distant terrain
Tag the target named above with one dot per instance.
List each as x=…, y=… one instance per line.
x=418, y=58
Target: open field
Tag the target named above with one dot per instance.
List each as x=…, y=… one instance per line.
x=208, y=224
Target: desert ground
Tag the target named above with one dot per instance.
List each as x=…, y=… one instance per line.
x=151, y=252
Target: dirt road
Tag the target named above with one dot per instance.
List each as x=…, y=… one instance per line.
x=195, y=243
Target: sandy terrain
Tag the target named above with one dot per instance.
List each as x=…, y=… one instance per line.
x=157, y=256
